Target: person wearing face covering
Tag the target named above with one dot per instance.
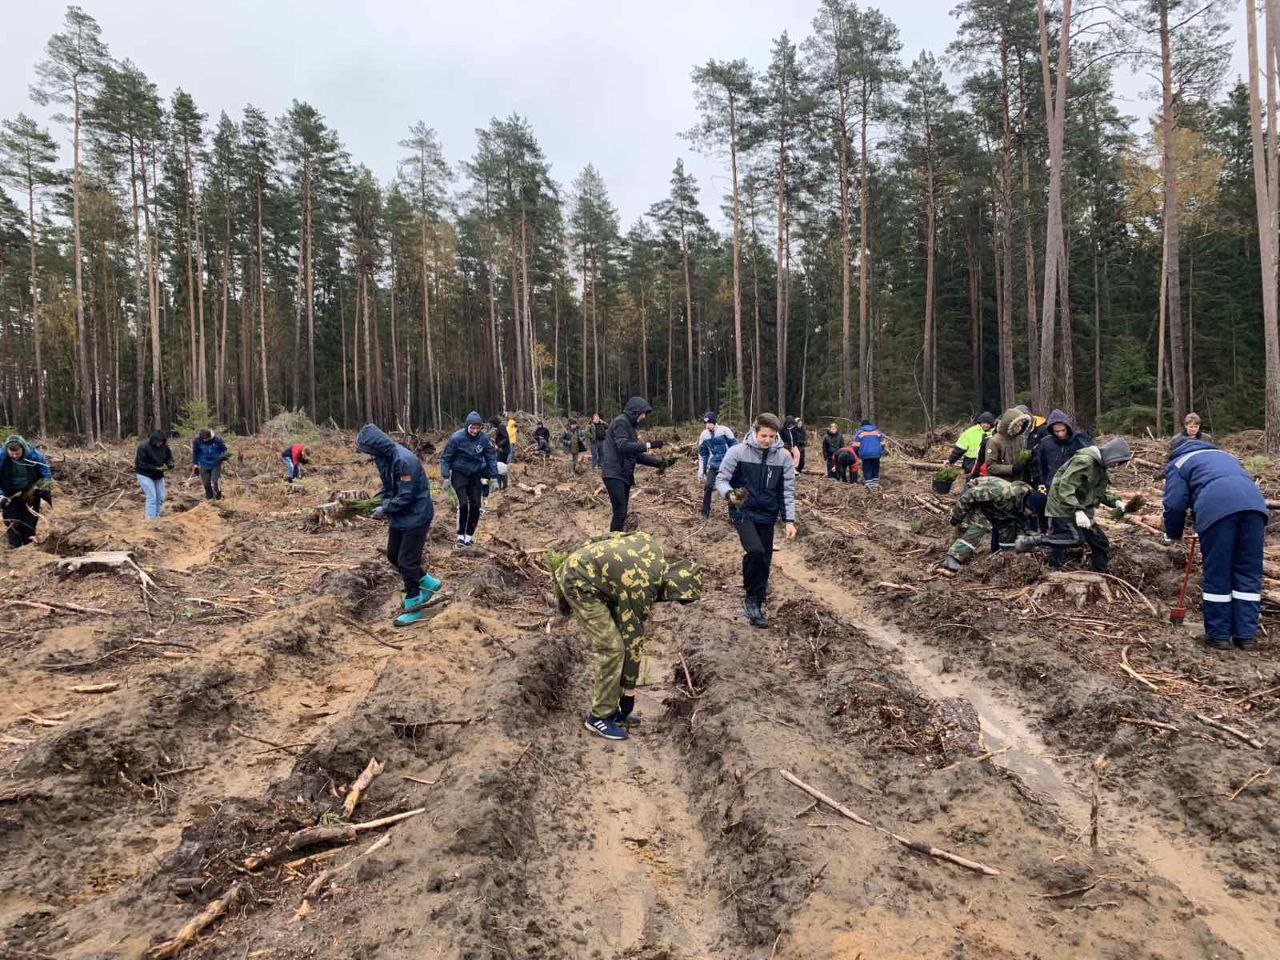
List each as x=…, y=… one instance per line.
x=610, y=585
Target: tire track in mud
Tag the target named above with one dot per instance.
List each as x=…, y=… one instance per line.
x=1244, y=923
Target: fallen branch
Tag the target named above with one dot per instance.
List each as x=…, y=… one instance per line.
x=1253, y=777
x=1227, y=728
x=1124, y=665
x=270, y=743
x=96, y=688
x=981, y=758
x=51, y=606
x=324, y=833
x=368, y=633
x=1141, y=722
x=316, y=886
x=360, y=786
x=1095, y=802
x=188, y=934
x=909, y=844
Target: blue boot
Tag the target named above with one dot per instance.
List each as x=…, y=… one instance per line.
x=429, y=585
x=412, y=615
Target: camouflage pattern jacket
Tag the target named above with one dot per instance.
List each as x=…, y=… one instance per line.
x=994, y=497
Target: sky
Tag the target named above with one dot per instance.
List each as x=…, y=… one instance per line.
x=600, y=81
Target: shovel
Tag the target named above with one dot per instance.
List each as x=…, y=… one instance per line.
x=1178, y=613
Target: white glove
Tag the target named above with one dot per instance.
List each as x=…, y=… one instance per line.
x=1082, y=520
x=484, y=482
x=1124, y=505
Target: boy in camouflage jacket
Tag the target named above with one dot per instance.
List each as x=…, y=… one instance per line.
x=985, y=503
x=610, y=584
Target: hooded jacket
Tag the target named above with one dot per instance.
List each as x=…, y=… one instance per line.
x=713, y=444
x=629, y=573
x=623, y=448
x=768, y=475
x=1051, y=453
x=153, y=456
x=1208, y=481
x=25, y=474
x=208, y=453
x=1000, y=501
x=406, y=491
x=1000, y=459
x=33, y=457
x=1081, y=483
x=831, y=442
x=501, y=441
x=968, y=445
x=469, y=456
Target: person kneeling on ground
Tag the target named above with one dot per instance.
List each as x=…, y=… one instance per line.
x=610, y=584
x=294, y=456
x=152, y=460
x=468, y=462
x=1230, y=519
x=25, y=480
x=1077, y=489
x=208, y=453
x=758, y=479
x=713, y=444
x=406, y=506
x=985, y=504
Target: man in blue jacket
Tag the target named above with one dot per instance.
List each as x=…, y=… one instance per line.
x=25, y=480
x=406, y=506
x=869, y=442
x=468, y=462
x=1230, y=519
x=758, y=478
x=207, y=455
x=712, y=446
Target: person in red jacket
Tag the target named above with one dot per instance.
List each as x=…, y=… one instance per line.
x=294, y=457
x=846, y=464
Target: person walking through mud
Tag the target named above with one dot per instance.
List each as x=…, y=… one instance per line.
x=208, y=453
x=713, y=444
x=25, y=480
x=622, y=450
x=152, y=460
x=610, y=585
x=468, y=460
x=1230, y=519
x=294, y=456
x=407, y=508
x=758, y=479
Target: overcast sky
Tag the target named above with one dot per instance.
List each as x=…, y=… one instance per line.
x=601, y=82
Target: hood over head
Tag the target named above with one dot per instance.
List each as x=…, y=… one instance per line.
x=1020, y=489
x=372, y=441
x=682, y=581
x=636, y=406
x=159, y=437
x=1060, y=416
x=1013, y=422
x=15, y=438
x=1115, y=452
x=1022, y=408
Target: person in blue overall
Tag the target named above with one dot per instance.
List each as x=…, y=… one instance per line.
x=712, y=446
x=869, y=442
x=1230, y=519
x=407, y=508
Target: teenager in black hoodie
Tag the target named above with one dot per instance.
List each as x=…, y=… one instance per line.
x=623, y=449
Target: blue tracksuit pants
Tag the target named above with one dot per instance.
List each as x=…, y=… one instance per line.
x=1232, y=549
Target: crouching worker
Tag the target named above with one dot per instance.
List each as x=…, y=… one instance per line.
x=294, y=456
x=610, y=585
x=847, y=464
x=985, y=505
x=1230, y=518
x=406, y=506
x=1079, y=486
x=25, y=480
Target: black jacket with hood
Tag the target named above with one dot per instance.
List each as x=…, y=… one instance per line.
x=623, y=448
x=1051, y=453
x=153, y=456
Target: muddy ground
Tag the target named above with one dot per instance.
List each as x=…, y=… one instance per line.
x=251, y=684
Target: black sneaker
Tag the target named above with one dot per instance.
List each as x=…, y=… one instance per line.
x=1218, y=643
x=755, y=616
x=1245, y=643
x=604, y=727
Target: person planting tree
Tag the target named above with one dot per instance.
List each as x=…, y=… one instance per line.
x=986, y=505
x=407, y=508
x=25, y=480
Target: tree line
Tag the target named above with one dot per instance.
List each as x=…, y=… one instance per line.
x=897, y=246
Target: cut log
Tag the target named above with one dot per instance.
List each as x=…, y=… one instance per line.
x=360, y=786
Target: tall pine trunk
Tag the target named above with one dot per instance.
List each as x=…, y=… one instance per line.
x=1173, y=295
x=1266, y=205
x=82, y=354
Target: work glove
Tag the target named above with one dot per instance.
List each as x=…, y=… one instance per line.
x=1042, y=489
x=225, y=456
x=4, y=501
x=1082, y=520
x=484, y=482
x=378, y=513
x=657, y=444
x=47, y=495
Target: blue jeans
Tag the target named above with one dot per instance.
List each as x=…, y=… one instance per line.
x=1232, y=549
x=291, y=470
x=153, y=491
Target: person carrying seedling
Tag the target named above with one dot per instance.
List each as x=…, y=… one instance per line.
x=1077, y=489
x=610, y=585
x=622, y=450
x=208, y=453
x=713, y=444
x=969, y=444
x=407, y=508
x=847, y=464
x=1230, y=519
x=832, y=441
x=869, y=443
x=294, y=456
x=468, y=462
x=986, y=504
x=152, y=460
x=25, y=480
x=758, y=479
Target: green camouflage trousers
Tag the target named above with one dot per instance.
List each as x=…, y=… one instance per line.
x=617, y=662
x=977, y=531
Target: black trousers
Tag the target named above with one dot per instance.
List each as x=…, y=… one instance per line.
x=470, y=492
x=20, y=522
x=846, y=472
x=708, y=491
x=404, y=550
x=800, y=465
x=1065, y=533
x=211, y=477
x=619, y=498
x=757, y=542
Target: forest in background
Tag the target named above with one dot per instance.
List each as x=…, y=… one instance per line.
x=896, y=246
